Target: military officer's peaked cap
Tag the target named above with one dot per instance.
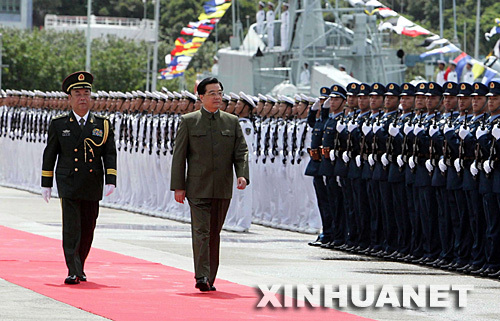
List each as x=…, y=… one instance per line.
x=364, y=89
x=450, y=88
x=324, y=91
x=338, y=91
x=393, y=89
x=480, y=89
x=377, y=89
x=407, y=89
x=464, y=89
x=421, y=88
x=494, y=89
x=352, y=89
x=434, y=89
x=77, y=80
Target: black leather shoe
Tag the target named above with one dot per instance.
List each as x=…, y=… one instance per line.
x=202, y=284
x=316, y=243
x=478, y=272
x=83, y=277
x=418, y=261
x=431, y=263
x=495, y=275
x=391, y=256
x=488, y=271
x=465, y=268
x=366, y=251
x=446, y=266
x=72, y=279
x=409, y=258
x=212, y=288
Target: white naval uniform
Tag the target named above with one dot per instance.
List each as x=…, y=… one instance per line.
x=452, y=76
x=270, y=28
x=261, y=19
x=440, y=77
x=239, y=214
x=469, y=77
x=284, y=30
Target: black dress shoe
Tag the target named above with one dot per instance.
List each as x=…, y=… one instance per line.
x=83, y=277
x=409, y=258
x=488, y=271
x=365, y=251
x=431, y=263
x=478, y=272
x=391, y=256
x=495, y=275
x=442, y=263
x=418, y=261
x=466, y=268
x=316, y=243
x=202, y=284
x=212, y=288
x=72, y=279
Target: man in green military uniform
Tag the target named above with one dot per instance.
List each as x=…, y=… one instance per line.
x=212, y=143
x=84, y=146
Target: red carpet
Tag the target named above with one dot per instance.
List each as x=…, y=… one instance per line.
x=126, y=288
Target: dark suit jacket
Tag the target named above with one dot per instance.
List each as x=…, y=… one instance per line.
x=212, y=144
x=82, y=156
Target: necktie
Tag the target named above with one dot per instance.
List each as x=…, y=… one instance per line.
x=82, y=123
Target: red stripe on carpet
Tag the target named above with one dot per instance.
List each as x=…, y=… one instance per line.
x=121, y=287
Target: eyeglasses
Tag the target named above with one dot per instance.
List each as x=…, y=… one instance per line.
x=214, y=94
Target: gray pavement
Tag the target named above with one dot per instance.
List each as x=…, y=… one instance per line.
x=262, y=256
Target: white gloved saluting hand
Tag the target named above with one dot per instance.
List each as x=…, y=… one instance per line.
x=108, y=189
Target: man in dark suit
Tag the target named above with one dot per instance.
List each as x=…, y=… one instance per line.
x=84, y=146
x=212, y=143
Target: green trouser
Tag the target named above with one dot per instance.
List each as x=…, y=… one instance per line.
x=79, y=221
x=207, y=218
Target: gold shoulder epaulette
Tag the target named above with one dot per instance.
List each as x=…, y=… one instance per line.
x=60, y=116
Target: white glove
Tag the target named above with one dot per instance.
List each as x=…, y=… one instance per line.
x=418, y=129
x=433, y=130
x=351, y=126
x=393, y=130
x=442, y=165
x=316, y=105
x=366, y=129
x=332, y=155
x=473, y=169
x=340, y=126
x=345, y=157
x=338, y=181
x=480, y=132
x=326, y=104
x=463, y=132
x=371, y=161
x=487, y=167
x=384, y=159
x=399, y=159
x=408, y=128
x=358, y=160
x=46, y=192
x=108, y=189
x=376, y=127
x=447, y=128
x=411, y=162
x=456, y=163
x=428, y=165
x=496, y=132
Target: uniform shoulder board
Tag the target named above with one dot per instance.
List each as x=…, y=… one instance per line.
x=102, y=116
x=60, y=116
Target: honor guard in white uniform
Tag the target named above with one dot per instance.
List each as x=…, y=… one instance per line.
x=270, y=25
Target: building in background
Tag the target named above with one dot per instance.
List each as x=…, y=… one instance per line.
x=16, y=13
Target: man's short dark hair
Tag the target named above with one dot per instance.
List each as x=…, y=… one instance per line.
x=203, y=84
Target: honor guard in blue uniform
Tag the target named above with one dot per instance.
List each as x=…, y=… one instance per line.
x=483, y=222
x=376, y=98
x=423, y=179
x=316, y=119
x=448, y=220
x=492, y=173
x=337, y=102
x=354, y=157
x=408, y=226
x=457, y=180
